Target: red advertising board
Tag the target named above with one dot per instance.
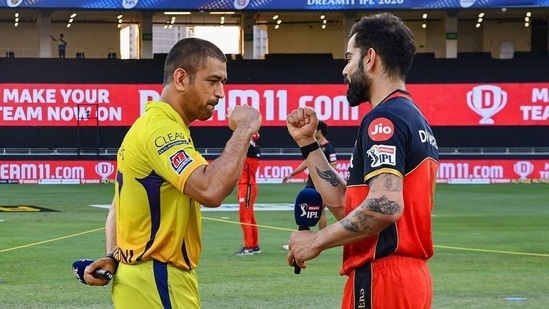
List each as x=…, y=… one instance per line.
x=273, y=171
x=501, y=104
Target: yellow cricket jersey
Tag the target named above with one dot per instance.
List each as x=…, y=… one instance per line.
x=154, y=219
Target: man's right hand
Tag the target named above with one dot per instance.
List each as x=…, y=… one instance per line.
x=244, y=116
x=105, y=263
x=301, y=124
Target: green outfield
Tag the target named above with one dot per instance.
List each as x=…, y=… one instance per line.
x=491, y=251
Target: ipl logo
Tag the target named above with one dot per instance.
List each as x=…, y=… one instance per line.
x=14, y=3
x=241, y=4
x=104, y=169
x=129, y=4
x=523, y=168
x=309, y=210
x=486, y=100
x=466, y=3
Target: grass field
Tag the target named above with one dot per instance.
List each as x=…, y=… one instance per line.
x=492, y=242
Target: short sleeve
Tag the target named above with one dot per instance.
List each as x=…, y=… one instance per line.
x=171, y=153
x=384, y=144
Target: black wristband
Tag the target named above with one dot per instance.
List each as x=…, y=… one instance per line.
x=306, y=150
x=111, y=256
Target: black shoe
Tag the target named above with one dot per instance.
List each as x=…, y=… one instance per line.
x=256, y=250
x=245, y=251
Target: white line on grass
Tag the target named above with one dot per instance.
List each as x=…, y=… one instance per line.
x=233, y=207
x=50, y=240
x=273, y=228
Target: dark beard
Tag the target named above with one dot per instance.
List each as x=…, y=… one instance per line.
x=358, y=91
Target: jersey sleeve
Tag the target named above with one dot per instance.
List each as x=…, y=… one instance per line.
x=330, y=154
x=172, y=155
x=384, y=144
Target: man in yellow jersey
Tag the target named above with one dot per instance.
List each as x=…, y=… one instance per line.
x=153, y=229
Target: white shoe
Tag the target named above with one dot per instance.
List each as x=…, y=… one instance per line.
x=286, y=247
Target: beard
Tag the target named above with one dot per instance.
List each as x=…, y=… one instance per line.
x=359, y=88
x=209, y=113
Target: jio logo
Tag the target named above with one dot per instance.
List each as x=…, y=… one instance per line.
x=381, y=129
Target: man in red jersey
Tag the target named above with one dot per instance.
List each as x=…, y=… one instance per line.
x=247, y=193
x=384, y=207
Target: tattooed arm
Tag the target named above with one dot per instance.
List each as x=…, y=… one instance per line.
x=328, y=182
x=383, y=206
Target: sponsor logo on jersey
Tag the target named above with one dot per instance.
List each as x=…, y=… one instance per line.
x=381, y=129
x=179, y=161
x=426, y=137
x=165, y=142
x=382, y=155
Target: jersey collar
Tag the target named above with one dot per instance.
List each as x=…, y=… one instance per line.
x=167, y=109
x=395, y=94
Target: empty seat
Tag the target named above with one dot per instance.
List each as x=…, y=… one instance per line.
x=10, y=54
x=111, y=55
x=80, y=55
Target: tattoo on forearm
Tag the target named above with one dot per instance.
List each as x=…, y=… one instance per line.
x=329, y=176
x=388, y=182
x=361, y=221
x=350, y=225
x=382, y=205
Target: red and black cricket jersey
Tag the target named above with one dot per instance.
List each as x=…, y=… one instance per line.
x=253, y=151
x=394, y=138
x=250, y=165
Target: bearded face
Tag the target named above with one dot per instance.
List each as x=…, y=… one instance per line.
x=359, y=88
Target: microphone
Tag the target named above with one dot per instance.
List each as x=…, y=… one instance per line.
x=307, y=211
x=79, y=266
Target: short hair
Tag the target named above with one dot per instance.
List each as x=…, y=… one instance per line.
x=323, y=127
x=190, y=54
x=392, y=40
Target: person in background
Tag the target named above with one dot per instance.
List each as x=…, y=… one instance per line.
x=154, y=226
x=330, y=153
x=384, y=208
x=61, y=44
x=247, y=193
